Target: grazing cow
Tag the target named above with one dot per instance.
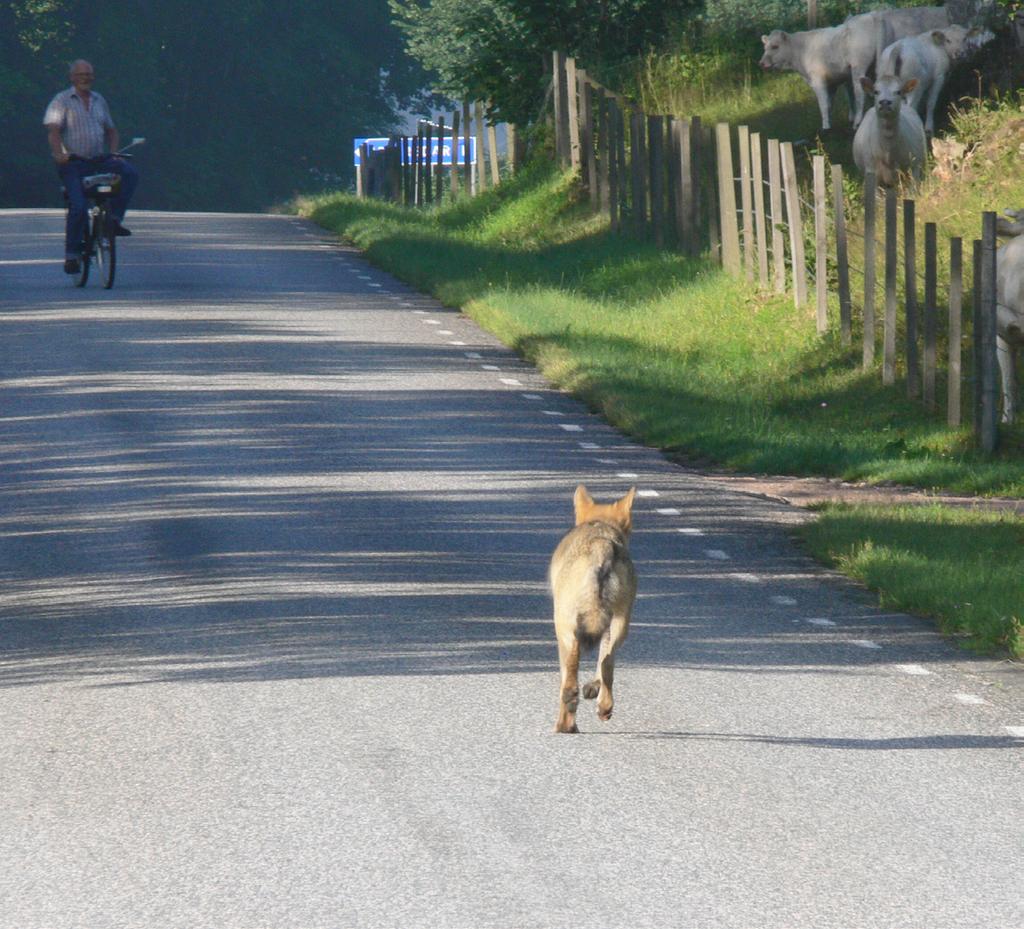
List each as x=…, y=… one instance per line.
x=891, y=138
x=1010, y=306
x=927, y=58
x=842, y=55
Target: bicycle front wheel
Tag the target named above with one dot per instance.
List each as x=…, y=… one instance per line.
x=106, y=248
x=83, y=265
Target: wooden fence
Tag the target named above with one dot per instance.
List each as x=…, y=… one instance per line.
x=412, y=169
x=738, y=197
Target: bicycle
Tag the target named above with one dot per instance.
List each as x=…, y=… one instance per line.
x=100, y=242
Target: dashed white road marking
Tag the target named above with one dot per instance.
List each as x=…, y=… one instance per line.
x=647, y=492
x=915, y=669
x=608, y=461
x=445, y=332
x=552, y=413
x=628, y=475
x=747, y=578
x=717, y=554
x=419, y=312
x=971, y=700
x=372, y=284
x=511, y=382
x=490, y=368
x=570, y=427
x=1016, y=731
x=473, y=355
x=783, y=601
x=689, y=530
x=432, y=322
x=589, y=446
x=865, y=643
x=456, y=342
x=819, y=621
x=532, y=397
x=669, y=511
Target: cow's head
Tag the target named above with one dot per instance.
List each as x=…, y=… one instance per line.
x=777, y=53
x=890, y=92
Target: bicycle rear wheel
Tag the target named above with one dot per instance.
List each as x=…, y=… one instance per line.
x=106, y=248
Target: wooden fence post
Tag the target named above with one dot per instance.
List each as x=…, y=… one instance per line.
x=588, y=163
x=561, y=100
x=617, y=157
x=930, y=313
x=889, y=326
x=990, y=380
x=746, y=203
x=870, y=266
x=775, y=196
x=455, y=154
x=954, y=415
x=727, y=201
x=613, y=126
x=468, y=166
x=604, y=108
x=685, y=232
x=481, y=164
x=820, y=246
x=439, y=189
x=977, y=343
x=910, y=298
x=638, y=158
x=571, y=83
x=842, y=257
x=492, y=147
x=656, y=162
x=796, y=229
x=757, y=162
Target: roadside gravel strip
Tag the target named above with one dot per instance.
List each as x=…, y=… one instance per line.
x=276, y=646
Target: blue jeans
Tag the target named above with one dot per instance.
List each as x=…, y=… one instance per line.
x=71, y=175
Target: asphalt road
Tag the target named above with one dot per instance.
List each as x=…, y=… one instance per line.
x=276, y=649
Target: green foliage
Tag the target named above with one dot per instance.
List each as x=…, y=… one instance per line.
x=243, y=104
x=495, y=50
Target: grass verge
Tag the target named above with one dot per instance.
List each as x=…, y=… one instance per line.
x=963, y=568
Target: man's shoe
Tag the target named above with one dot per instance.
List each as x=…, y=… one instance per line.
x=114, y=227
x=72, y=266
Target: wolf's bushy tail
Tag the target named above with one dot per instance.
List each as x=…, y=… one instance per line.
x=594, y=611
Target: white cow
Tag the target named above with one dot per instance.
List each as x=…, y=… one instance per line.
x=927, y=58
x=842, y=55
x=1010, y=307
x=891, y=138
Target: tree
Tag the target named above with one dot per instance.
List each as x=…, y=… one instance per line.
x=244, y=102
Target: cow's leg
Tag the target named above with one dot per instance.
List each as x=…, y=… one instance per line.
x=933, y=99
x=856, y=91
x=824, y=95
x=1006, y=355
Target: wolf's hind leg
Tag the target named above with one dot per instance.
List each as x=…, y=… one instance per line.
x=613, y=638
x=569, y=659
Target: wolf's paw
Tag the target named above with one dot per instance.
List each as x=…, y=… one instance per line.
x=572, y=730
x=604, y=713
x=591, y=690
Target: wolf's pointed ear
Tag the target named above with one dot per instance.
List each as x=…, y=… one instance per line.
x=581, y=502
x=624, y=509
x=627, y=501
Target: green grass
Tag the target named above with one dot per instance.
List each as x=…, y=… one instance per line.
x=670, y=349
x=963, y=567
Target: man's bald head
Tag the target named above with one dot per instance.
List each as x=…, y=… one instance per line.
x=80, y=68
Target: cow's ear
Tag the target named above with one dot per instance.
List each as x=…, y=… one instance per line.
x=764, y=40
x=909, y=86
x=939, y=37
x=865, y=82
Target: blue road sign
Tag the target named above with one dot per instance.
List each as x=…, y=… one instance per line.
x=446, y=151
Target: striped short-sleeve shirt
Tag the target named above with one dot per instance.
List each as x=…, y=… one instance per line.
x=83, y=130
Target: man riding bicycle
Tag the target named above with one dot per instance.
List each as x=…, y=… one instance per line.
x=82, y=137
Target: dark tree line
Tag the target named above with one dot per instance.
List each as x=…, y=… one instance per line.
x=243, y=102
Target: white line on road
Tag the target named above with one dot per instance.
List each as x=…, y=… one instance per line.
x=717, y=554
x=818, y=621
x=628, y=475
x=669, y=511
x=511, y=382
x=915, y=669
x=865, y=643
x=1016, y=731
x=570, y=427
x=971, y=700
x=783, y=601
x=688, y=530
x=648, y=493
